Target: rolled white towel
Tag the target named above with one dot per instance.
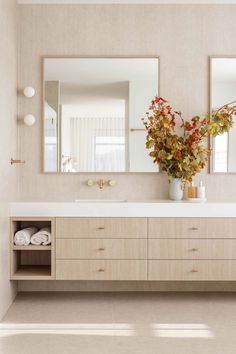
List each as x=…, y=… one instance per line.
x=22, y=237
x=42, y=237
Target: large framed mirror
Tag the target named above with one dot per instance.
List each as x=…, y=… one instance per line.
x=223, y=91
x=93, y=110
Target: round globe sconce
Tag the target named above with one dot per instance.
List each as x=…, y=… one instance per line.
x=29, y=119
x=29, y=92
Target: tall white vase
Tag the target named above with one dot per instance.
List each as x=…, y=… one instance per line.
x=176, y=189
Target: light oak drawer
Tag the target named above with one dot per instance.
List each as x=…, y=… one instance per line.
x=101, y=249
x=192, y=270
x=192, y=228
x=192, y=249
x=101, y=227
x=101, y=270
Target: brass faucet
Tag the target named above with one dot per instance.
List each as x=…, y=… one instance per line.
x=101, y=183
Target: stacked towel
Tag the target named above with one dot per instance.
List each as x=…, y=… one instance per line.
x=42, y=237
x=23, y=237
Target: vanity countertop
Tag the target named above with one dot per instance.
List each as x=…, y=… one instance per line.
x=154, y=208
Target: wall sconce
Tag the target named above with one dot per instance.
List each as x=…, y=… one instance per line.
x=29, y=119
x=29, y=92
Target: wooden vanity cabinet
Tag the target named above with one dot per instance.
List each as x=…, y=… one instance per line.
x=32, y=262
x=101, y=248
x=192, y=249
x=155, y=249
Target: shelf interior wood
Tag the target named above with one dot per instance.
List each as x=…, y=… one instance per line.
x=33, y=271
x=31, y=248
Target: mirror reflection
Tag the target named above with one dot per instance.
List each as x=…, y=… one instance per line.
x=223, y=91
x=92, y=114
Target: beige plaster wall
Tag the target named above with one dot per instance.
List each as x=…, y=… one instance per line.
x=8, y=140
x=182, y=36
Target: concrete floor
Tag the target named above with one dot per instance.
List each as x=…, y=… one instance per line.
x=112, y=323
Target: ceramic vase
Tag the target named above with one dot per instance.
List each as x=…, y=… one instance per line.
x=176, y=189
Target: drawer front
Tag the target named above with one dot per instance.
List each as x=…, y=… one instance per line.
x=101, y=227
x=192, y=228
x=101, y=249
x=192, y=270
x=192, y=249
x=101, y=270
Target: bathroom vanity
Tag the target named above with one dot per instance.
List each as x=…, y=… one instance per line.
x=146, y=241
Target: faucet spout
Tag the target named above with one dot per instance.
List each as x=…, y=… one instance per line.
x=101, y=183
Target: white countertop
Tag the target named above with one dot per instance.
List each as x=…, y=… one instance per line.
x=155, y=208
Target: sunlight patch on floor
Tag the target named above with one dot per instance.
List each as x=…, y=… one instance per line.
x=164, y=330
x=90, y=329
x=182, y=330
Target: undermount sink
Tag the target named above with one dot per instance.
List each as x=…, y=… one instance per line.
x=101, y=201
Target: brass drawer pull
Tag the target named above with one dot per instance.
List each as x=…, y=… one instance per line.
x=194, y=270
x=101, y=249
x=194, y=249
x=101, y=228
x=194, y=228
x=101, y=270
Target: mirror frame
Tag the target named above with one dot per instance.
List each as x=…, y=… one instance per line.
x=211, y=143
x=43, y=58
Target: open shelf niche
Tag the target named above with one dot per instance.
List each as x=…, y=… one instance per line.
x=32, y=262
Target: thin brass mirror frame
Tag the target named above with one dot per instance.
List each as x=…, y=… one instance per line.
x=211, y=144
x=43, y=99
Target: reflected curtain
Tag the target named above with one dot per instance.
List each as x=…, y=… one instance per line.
x=98, y=144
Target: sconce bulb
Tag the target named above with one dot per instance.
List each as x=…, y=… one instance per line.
x=29, y=119
x=29, y=92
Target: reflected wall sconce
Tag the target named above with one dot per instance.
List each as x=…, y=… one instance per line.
x=29, y=92
x=29, y=119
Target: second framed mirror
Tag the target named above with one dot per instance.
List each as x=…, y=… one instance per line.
x=223, y=91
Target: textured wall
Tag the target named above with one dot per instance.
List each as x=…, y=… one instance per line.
x=8, y=139
x=183, y=36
